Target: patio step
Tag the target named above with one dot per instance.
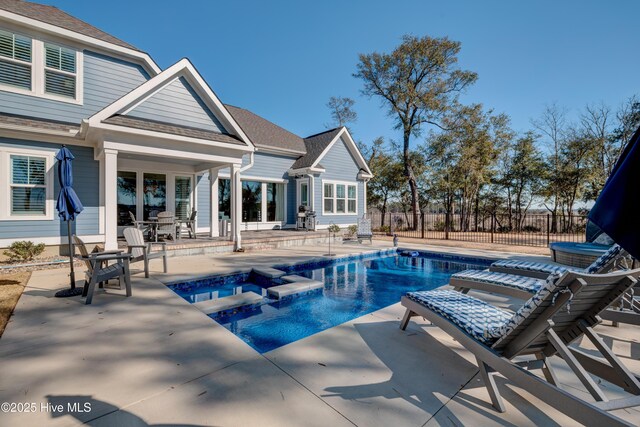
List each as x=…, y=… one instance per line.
x=295, y=278
x=271, y=273
x=227, y=303
x=294, y=288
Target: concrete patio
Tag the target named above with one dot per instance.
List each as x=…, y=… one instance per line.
x=153, y=359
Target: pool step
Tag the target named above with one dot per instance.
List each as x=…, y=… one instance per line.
x=293, y=278
x=227, y=303
x=294, y=288
x=271, y=273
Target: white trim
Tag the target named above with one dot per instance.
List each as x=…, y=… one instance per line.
x=141, y=58
x=305, y=171
x=182, y=68
x=299, y=183
x=57, y=240
x=351, y=146
x=346, y=199
x=167, y=153
x=5, y=182
x=277, y=150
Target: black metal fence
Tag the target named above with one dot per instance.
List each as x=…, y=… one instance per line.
x=529, y=230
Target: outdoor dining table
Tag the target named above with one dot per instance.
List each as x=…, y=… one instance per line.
x=152, y=223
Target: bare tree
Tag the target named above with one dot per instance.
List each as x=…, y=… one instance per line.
x=342, y=112
x=553, y=124
x=418, y=82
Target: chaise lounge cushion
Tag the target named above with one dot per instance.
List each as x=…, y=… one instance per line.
x=481, y=320
x=540, y=267
x=604, y=259
x=476, y=317
x=524, y=283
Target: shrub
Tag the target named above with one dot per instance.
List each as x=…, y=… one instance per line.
x=352, y=230
x=438, y=225
x=24, y=250
x=334, y=228
x=384, y=229
x=531, y=229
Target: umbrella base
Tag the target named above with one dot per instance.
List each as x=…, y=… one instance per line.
x=69, y=293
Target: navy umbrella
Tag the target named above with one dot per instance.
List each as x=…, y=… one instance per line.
x=616, y=210
x=69, y=207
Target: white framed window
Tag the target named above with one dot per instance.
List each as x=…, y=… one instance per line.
x=60, y=70
x=40, y=68
x=27, y=190
x=339, y=198
x=16, y=66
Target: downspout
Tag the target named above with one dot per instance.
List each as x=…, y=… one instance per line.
x=312, y=195
x=238, y=239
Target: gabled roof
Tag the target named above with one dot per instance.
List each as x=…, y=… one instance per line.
x=265, y=134
x=114, y=113
x=54, y=16
x=315, y=146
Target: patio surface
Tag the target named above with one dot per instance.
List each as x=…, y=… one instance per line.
x=153, y=359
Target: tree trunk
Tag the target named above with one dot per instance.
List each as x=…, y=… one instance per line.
x=411, y=178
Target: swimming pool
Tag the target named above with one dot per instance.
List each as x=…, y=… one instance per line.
x=352, y=288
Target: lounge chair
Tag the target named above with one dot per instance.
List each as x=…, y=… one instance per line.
x=99, y=270
x=364, y=230
x=541, y=270
x=564, y=309
x=141, y=251
x=137, y=224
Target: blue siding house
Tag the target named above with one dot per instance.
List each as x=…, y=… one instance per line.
x=146, y=140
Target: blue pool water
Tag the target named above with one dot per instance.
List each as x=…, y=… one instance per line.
x=352, y=289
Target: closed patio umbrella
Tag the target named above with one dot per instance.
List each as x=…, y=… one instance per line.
x=69, y=206
x=616, y=209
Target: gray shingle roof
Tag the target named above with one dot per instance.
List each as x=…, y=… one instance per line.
x=14, y=120
x=152, y=125
x=264, y=133
x=54, y=16
x=315, y=145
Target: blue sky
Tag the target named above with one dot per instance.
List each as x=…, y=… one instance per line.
x=284, y=59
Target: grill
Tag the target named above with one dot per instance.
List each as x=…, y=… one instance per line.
x=306, y=219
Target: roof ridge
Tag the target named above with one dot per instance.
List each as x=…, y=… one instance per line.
x=323, y=132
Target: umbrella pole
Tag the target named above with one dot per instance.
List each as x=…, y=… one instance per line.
x=72, y=275
x=73, y=291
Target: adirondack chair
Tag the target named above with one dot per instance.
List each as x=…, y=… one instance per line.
x=563, y=310
x=99, y=270
x=141, y=251
x=190, y=223
x=364, y=230
x=136, y=223
x=166, y=225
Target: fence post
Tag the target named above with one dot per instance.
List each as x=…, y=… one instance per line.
x=422, y=223
x=548, y=227
x=493, y=225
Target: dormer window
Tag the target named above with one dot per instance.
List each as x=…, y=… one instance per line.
x=15, y=60
x=40, y=68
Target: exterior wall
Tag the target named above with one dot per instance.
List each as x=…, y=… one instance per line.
x=178, y=104
x=105, y=80
x=203, y=191
x=340, y=165
x=86, y=185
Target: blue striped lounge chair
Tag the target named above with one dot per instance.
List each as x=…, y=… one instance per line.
x=565, y=308
x=540, y=270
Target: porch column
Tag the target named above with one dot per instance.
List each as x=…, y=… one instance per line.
x=110, y=199
x=236, y=205
x=213, y=202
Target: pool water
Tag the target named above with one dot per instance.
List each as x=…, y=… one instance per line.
x=352, y=288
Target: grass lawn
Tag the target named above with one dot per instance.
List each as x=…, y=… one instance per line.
x=11, y=287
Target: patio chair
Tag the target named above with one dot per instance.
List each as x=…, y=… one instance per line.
x=99, y=270
x=138, y=224
x=141, y=251
x=166, y=225
x=364, y=230
x=564, y=309
x=541, y=270
x=190, y=223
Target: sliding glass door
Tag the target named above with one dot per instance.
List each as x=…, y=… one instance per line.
x=183, y=197
x=127, y=197
x=154, y=187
